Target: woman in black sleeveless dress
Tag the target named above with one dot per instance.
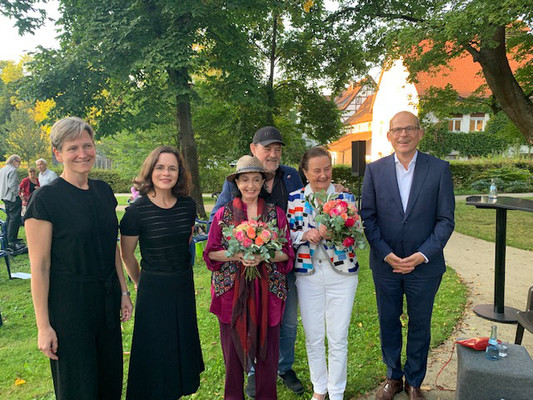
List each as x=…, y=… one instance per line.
x=166, y=358
x=77, y=276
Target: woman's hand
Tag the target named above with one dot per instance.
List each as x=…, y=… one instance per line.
x=126, y=308
x=324, y=231
x=47, y=342
x=312, y=235
x=248, y=262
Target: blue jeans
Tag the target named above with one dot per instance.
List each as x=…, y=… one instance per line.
x=289, y=324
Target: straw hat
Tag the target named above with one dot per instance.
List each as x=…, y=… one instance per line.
x=249, y=164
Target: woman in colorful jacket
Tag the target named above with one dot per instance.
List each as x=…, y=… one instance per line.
x=249, y=311
x=326, y=279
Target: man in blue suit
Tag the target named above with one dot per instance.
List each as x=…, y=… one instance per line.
x=267, y=146
x=408, y=212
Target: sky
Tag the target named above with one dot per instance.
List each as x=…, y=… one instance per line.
x=14, y=46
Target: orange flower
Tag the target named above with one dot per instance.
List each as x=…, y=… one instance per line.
x=250, y=232
x=259, y=241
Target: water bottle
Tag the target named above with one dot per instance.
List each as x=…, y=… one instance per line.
x=493, y=351
x=493, y=190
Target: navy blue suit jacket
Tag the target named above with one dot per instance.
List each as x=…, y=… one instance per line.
x=425, y=226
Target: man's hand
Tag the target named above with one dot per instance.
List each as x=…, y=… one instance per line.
x=398, y=265
x=413, y=260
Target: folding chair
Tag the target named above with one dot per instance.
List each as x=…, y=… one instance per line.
x=201, y=229
x=3, y=246
x=525, y=318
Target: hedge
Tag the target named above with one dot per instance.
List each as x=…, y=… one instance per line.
x=112, y=177
x=440, y=142
x=512, y=175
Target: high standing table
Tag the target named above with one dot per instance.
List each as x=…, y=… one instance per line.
x=497, y=311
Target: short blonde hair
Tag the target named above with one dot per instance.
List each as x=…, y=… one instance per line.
x=69, y=128
x=42, y=161
x=32, y=169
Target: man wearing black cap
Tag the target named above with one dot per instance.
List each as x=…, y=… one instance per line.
x=266, y=146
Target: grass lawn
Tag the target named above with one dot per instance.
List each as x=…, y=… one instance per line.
x=481, y=223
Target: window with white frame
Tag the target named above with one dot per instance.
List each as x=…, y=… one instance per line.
x=454, y=124
x=477, y=122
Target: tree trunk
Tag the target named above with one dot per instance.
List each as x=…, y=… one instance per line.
x=502, y=83
x=271, y=101
x=186, y=140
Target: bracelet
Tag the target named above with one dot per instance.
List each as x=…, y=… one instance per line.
x=126, y=293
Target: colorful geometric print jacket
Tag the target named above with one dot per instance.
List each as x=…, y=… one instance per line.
x=223, y=280
x=301, y=216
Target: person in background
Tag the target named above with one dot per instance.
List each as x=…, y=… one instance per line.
x=249, y=311
x=326, y=278
x=27, y=187
x=267, y=147
x=77, y=282
x=408, y=213
x=45, y=175
x=9, y=193
x=166, y=357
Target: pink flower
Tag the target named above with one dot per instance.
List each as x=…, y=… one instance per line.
x=265, y=235
x=240, y=236
x=348, y=242
x=349, y=222
x=334, y=212
x=247, y=242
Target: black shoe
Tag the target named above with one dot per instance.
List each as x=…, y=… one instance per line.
x=292, y=382
x=250, y=386
x=16, y=248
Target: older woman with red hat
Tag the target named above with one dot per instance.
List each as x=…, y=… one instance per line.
x=249, y=310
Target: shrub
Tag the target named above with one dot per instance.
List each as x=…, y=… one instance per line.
x=343, y=174
x=440, y=142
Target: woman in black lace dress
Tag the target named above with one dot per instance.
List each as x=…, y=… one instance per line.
x=166, y=358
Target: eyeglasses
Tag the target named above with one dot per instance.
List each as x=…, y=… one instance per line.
x=408, y=129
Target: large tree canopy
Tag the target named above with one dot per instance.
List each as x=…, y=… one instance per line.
x=485, y=29
x=133, y=65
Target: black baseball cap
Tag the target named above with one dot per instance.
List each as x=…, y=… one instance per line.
x=267, y=135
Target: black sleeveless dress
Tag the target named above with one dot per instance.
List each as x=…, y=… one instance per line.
x=166, y=357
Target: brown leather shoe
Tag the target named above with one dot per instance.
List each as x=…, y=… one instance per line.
x=389, y=388
x=414, y=393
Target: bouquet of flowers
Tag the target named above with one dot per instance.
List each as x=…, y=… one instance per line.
x=340, y=218
x=253, y=238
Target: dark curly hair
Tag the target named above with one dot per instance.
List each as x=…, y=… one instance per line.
x=143, y=182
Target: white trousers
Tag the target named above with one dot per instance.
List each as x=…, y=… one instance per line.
x=326, y=300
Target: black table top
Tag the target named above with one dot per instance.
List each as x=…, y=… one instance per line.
x=502, y=202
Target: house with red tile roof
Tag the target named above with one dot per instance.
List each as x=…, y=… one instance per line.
x=354, y=96
x=396, y=92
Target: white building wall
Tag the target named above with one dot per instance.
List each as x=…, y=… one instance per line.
x=394, y=94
